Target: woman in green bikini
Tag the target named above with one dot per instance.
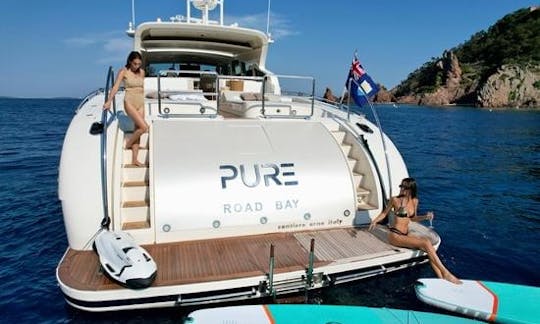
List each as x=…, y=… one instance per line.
x=405, y=207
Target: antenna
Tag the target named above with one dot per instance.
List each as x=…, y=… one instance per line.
x=268, y=20
x=270, y=40
x=131, y=26
x=133, y=12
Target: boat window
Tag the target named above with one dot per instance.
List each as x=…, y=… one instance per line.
x=152, y=69
x=238, y=68
x=234, y=68
x=208, y=67
x=253, y=70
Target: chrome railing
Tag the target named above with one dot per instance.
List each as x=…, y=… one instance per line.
x=106, y=219
x=216, y=86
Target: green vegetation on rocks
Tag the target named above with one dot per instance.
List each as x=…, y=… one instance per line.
x=510, y=49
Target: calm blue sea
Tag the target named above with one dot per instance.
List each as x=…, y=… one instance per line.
x=479, y=171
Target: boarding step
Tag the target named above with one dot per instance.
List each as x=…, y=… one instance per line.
x=357, y=177
x=136, y=193
x=352, y=163
x=135, y=225
x=331, y=125
x=135, y=183
x=361, y=191
x=133, y=166
x=365, y=206
x=135, y=214
x=346, y=148
x=362, y=196
x=131, y=174
x=135, y=203
x=339, y=136
x=142, y=156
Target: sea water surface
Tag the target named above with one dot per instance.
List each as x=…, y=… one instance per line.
x=479, y=171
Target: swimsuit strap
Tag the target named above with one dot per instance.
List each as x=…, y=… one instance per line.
x=395, y=230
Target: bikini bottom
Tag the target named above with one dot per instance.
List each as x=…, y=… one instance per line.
x=395, y=230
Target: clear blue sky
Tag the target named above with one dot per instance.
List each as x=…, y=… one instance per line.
x=58, y=48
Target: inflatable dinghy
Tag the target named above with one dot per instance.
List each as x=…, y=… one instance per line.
x=124, y=261
x=485, y=300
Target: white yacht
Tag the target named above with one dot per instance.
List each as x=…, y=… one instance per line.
x=252, y=186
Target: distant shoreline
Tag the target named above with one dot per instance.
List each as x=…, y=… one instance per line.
x=399, y=105
x=39, y=98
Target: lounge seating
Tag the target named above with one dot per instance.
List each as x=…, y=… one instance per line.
x=250, y=105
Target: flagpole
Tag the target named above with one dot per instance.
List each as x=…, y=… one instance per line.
x=349, y=101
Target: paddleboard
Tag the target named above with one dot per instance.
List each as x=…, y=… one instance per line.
x=315, y=314
x=485, y=300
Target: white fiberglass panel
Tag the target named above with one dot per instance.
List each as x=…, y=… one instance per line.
x=214, y=178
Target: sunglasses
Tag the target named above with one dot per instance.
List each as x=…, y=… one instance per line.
x=404, y=186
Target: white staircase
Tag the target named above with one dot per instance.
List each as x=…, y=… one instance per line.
x=355, y=166
x=135, y=196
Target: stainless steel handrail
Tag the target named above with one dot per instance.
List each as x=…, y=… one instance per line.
x=106, y=219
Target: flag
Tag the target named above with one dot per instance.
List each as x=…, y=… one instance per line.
x=361, y=85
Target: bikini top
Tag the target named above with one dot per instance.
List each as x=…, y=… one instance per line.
x=132, y=82
x=401, y=211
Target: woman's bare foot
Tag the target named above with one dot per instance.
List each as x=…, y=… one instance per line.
x=450, y=277
x=137, y=163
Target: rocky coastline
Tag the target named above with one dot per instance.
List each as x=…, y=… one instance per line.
x=510, y=86
x=495, y=68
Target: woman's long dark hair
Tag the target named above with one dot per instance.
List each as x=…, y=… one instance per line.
x=132, y=56
x=409, y=183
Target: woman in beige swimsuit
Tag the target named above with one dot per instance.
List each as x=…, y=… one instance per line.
x=405, y=206
x=133, y=77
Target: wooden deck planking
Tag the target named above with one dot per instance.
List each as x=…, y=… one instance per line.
x=344, y=243
x=229, y=258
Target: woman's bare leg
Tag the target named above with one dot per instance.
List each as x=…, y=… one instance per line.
x=135, y=153
x=141, y=127
x=410, y=241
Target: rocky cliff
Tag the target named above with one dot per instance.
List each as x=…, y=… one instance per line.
x=497, y=68
x=511, y=86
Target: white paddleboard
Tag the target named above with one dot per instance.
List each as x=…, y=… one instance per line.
x=485, y=300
